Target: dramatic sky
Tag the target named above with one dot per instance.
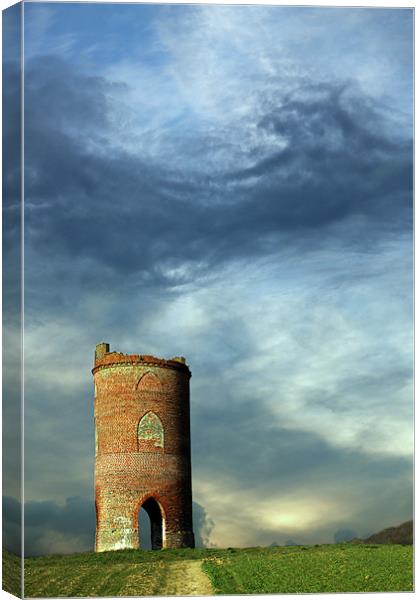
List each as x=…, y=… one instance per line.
x=232, y=184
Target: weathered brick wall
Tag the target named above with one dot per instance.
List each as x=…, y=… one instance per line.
x=129, y=390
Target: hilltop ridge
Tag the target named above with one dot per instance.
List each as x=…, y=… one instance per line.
x=402, y=534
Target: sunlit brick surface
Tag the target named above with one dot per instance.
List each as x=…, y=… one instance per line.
x=133, y=464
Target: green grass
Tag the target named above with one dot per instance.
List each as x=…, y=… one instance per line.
x=11, y=573
x=120, y=573
x=327, y=568
x=118, y=578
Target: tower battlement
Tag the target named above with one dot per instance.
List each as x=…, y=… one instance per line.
x=104, y=358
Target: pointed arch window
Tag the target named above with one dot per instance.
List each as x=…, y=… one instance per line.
x=149, y=382
x=150, y=433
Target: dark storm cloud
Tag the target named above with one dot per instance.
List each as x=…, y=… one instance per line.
x=202, y=526
x=82, y=192
x=49, y=527
x=338, y=161
x=11, y=142
x=11, y=162
x=70, y=423
x=11, y=524
x=78, y=199
x=248, y=449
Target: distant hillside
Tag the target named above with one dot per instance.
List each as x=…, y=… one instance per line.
x=403, y=534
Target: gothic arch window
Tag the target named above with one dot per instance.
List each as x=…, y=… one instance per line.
x=150, y=433
x=149, y=382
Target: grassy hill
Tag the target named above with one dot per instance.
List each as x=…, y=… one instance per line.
x=304, y=569
x=314, y=569
x=403, y=534
x=11, y=573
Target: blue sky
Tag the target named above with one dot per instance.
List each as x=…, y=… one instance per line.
x=233, y=184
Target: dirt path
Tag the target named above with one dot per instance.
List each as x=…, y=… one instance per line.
x=185, y=578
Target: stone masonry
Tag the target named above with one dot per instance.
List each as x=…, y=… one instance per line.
x=143, y=450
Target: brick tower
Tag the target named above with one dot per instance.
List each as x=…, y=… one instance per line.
x=143, y=451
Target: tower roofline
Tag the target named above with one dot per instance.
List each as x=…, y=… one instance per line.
x=104, y=359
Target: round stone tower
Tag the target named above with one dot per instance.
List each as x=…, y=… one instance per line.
x=143, y=450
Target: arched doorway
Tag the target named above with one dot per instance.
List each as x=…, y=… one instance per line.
x=151, y=533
